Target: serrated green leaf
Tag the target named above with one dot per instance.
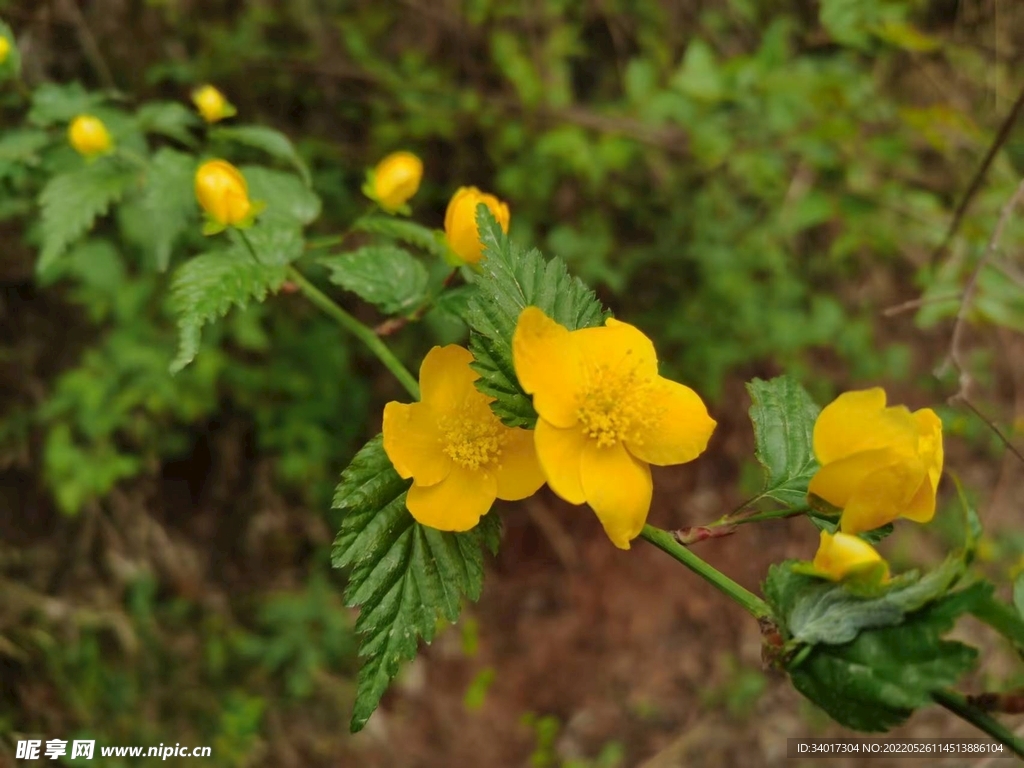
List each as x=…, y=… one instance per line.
x=71, y=202
x=208, y=286
x=384, y=275
x=168, y=203
x=21, y=147
x=273, y=142
x=512, y=279
x=287, y=198
x=168, y=118
x=408, y=232
x=52, y=103
x=11, y=66
x=874, y=682
x=403, y=576
x=810, y=610
x=274, y=242
x=829, y=523
x=783, y=416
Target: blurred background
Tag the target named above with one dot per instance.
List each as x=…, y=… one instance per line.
x=762, y=185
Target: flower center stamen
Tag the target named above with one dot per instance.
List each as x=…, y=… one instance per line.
x=472, y=440
x=614, y=405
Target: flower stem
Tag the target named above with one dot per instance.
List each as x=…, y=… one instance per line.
x=664, y=541
x=959, y=706
x=357, y=329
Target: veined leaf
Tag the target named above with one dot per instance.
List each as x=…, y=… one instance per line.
x=52, y=103
x=273, y=142
x=408, y=232
x=783, y=415
x=874, y=682
x=403, y=576
x=288, y=199
x=813, y=611
x=168, y=201
x=513, y=279
x=384, y=275
x=72, y=201
x=274, y=242
x=206, y=287
x=168, y=118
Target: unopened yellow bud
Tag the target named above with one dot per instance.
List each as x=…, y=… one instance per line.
x=222, y=192
x=89, y=136
x=396, y=179
x=460, y=226
x=5, y=49
x=843, y=555
x=212, y=104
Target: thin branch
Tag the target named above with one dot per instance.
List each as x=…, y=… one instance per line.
x=979, y=176
x=923, y=301
x=961, y=398
x=89, y=45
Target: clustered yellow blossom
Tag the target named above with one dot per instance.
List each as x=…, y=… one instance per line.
x=457, y=452
x=223, y=193
x=212, y=104
x=878, y=464
x=89, y=136
x=394, y=180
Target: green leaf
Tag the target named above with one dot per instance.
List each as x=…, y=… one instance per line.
x=274, y=143
x=169, y=202
x=21, y=147
x=287, y=198
x=830, y=523
x=811, y=610
x=783, y=415
x=384, y=275
x=168, y=118
x=511, y=280
x=275, y=243
x=52, y=103
x=408, y=232
x=206, y=287
x=72, y=201
x=699, y=75
x=11, y=67
x=874, y=682
x=1018, y=595
x=402, y=575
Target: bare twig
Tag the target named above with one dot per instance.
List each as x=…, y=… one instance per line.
x=923, y=301
x=89, y=45
x=979, y=176
x=960, y=397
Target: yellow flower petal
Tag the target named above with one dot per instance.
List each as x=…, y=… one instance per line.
x=859, y=421
x=222, y=192
x=681, y=430
x=921, y=508
x=618, y=488
x=841, y=555
x=617, y=345
x=519, y=474
x=883, y=496
x=413, y=443
x=456, y=503
x=396, y=179
x=460, y=226
x=929, y=430
x=560, y=452
x=446, y=380
x=836, y=482
x=547, y=364
x=89, y=136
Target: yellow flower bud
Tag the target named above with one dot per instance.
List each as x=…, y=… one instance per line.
x=89, y=136
x=460, y=222
x=212, y=104
x=5, y=49
x=878, y=463
x=842, y=555
x=396, y=179
x=222, y=192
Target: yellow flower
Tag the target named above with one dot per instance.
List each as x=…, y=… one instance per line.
x=460, y=222
x=212, y=104
x=396, y=179
x=842, y=555
x=605, y=416
x=222, y=192
x=877, y=463
x=459, y=455
x=5, y=49
x=89, y=136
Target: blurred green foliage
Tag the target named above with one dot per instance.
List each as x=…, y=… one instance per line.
x=727, y=174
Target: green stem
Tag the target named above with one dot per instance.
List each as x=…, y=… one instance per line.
x=664, y=541
x=959, y=706
x=357, y=329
